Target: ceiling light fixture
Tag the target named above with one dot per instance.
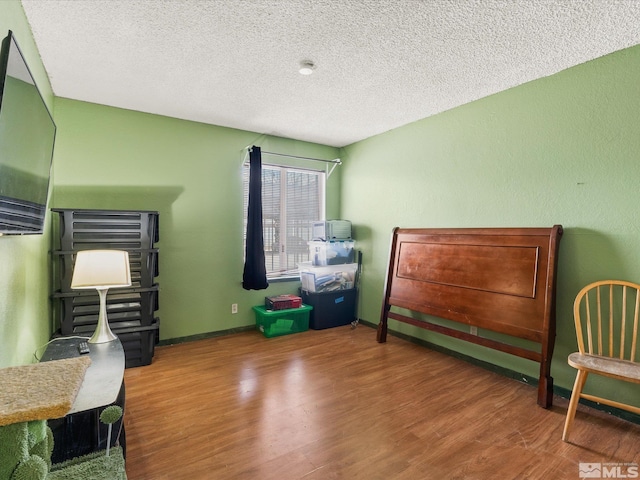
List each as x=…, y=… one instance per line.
x=307, y=67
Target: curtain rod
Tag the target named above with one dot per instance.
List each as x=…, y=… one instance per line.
x=337, y=161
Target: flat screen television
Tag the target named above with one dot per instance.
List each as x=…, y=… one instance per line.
x=27, y=136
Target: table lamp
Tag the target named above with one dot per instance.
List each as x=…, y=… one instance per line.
x=101, y=269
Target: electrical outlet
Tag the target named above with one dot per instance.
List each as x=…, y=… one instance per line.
x=473, y=330
x=234, y=308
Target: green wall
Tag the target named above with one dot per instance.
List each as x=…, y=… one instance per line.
x=561, y=150
x=111, y=158
x=24, y=261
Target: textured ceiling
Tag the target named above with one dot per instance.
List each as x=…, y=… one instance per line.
x=380, y=63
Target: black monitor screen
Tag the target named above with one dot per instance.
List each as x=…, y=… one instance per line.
x=27, y=135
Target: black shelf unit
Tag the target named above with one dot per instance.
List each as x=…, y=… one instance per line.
x=131, y=311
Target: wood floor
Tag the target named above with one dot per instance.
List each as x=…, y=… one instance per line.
x=335, y=404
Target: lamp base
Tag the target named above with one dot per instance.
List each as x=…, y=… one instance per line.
x=103, y=333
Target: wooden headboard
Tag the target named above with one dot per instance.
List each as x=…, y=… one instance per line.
x=498, y=279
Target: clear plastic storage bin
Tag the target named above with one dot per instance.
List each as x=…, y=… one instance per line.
x=334, y=252
x=329, y=278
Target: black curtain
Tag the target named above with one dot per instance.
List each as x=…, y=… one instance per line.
x=255, y=271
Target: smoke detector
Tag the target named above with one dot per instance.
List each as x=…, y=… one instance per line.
x=307, y=67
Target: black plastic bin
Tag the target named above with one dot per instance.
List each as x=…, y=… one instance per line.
x=330, y=309
x=81, y=229
x=77, y=313
x=139, y=343
x=143, y=264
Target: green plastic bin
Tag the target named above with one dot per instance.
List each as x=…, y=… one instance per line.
x=274, y=323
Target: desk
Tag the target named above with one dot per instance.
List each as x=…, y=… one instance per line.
x=103, y=379
x=81, y=432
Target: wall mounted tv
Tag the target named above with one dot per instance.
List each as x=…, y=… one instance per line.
x=27, y=135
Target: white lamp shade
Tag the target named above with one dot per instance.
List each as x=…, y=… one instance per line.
x=101, y=269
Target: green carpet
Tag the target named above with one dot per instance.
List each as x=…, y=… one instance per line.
x=95, y=466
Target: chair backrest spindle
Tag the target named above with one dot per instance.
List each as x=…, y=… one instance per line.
x=611, y=319
x=589, y=337
x=623, y=321
x=634, y=335
x=599, y=308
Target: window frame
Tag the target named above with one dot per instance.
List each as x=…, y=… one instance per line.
x=291, y=273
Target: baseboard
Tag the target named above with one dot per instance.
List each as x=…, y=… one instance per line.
x=203, y=336
x=560, y=391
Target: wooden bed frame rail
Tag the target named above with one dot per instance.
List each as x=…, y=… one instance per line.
x=498, y=279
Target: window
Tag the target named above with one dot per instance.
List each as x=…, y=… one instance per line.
x=292, y=199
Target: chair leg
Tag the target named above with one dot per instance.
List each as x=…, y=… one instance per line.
x=581, y=378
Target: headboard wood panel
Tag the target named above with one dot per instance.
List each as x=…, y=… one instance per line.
x=498, y=279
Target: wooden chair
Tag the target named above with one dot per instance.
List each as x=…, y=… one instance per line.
x=606, y=313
